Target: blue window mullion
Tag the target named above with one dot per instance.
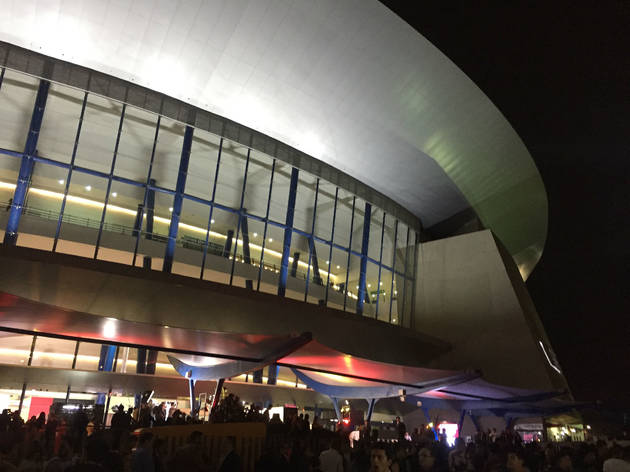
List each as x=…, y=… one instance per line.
x=345, y=295
x=109, y=180
x=178, y=200
x=286, y=247
x=69, y=175
x=311, y=243
x=26, y=166
x=240, y=216
x=262, y=251
x=146, y=189
x=211, y=211
x=332, y=237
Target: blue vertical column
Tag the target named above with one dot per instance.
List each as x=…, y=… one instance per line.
x=365, y=244
x=26, y=167
x=288, y=232
x=178, y=200
x=106, y=359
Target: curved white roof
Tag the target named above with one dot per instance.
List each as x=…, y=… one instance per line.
x=347, y=82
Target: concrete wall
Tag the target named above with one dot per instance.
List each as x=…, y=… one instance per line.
x=469, y=294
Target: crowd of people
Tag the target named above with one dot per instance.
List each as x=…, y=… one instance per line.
x=76, y=443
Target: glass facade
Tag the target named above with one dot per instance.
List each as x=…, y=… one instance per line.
x=73, y=354
x=90, y=176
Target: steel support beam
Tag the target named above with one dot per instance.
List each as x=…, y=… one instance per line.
x=365, y=244
x=288, y=232
x=178, y=200
x=26, y=167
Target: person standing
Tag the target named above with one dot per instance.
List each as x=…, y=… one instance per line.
x=330, y=460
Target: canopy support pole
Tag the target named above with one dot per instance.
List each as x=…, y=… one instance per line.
x=217, y=395
x=337, y=410
x=428, y=418
x=371, y=402
x=191, y=393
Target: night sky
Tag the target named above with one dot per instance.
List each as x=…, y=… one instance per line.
x=560, y=73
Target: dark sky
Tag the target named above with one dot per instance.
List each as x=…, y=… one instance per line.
x=560, y=73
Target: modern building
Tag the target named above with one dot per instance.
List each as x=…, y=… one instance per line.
x=257, y=169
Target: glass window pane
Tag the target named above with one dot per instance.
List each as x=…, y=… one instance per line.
x=338, y=278
x=152, y=244
x=411, y=254
x=168, y=153
x=98, y=134
x=231, y=174
x=318, y=279
x=280, y=192
x=202, y=165
x=117, y=239
x=257, y=188
x=17, y=98
x=353, y=283
x=38, y=222
x=343, y=220
x=136, y=144
x=82, y=215
x=305, y=202
x=401, y=247
x=325, y=210
x=14, y=348
x=88, y=356
x=298, y=258
x=218, y=262
x=61, y=119
x=385, y=296
x=388, y=241
x=51, y=352
x=371, y=289
x=191, y=239
x=357, y=232
x=376, y=224
x=271, y=263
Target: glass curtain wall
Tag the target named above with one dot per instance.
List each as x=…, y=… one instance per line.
x=113, y=182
